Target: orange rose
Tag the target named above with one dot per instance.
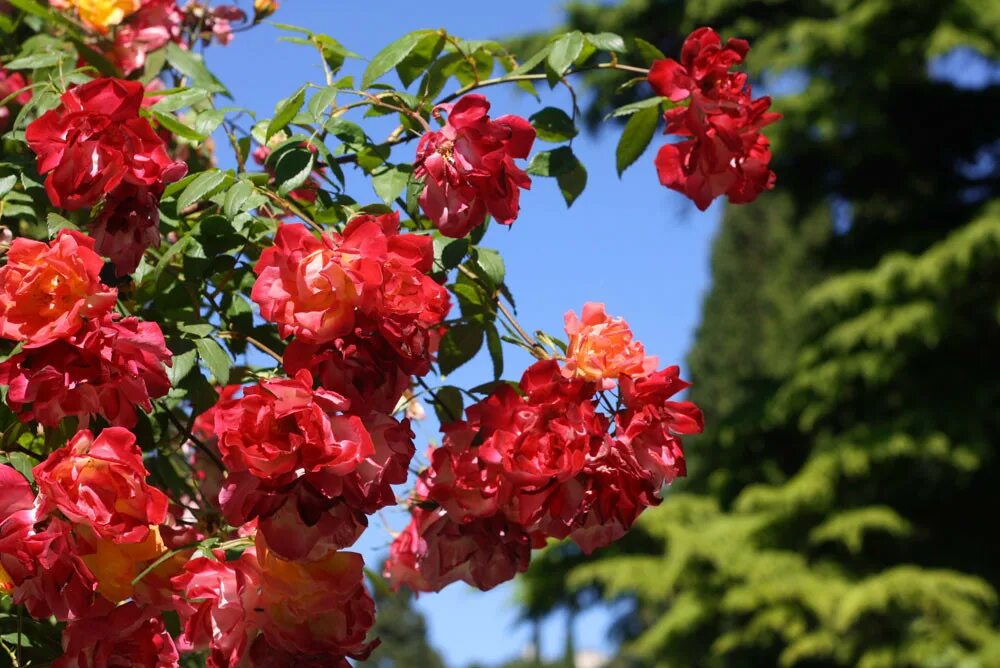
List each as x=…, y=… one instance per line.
x=601, y=348
x=46, y=290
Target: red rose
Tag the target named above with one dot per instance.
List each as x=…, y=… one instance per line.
x=725, y=153
x=41, y=557
x=127, y=636
x=152, y=27
x=107, y=368
x=48, y=289
x=468, y=167
x=602, y=348
x=433, y=551
x=218, y=610
x=365, y=370
x=302, y=287
x=128, y=224
x=283, y=426
x=11, y=83
x=316, y=607
x=96, y=140
x=101, y=482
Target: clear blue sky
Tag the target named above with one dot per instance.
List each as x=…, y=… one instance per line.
x=632, y=244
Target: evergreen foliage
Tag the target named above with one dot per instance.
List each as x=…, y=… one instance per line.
x=839, y=508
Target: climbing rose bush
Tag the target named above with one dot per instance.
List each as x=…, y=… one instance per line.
x=212, y=365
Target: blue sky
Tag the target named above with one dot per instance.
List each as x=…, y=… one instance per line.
x=641, y=249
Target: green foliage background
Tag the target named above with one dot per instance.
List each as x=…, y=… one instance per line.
x=841, y=507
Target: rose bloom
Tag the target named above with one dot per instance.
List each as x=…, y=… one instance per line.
x=153, y=26
x=96, y=140
x=107, y=368
x=40, y=557
x=433, y=551
x=316, y=607
x=282, y=426
x=10, y=83
x=364, y=370
x=724, y=152
x=100, y=15
x=128, y=224
x=48, y=289
x=127, y=636
x=601, y=348
x=468, y=167
x=101, y=482
x=302, y=287
x=217, y=604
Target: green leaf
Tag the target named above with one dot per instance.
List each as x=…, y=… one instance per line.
x=420, y=57
x=449, y=253
x=180, y=99
x=203, y=186
x=491, y=264
x=647, y=52
x=448, y=404
x=321, y=101
x=170, y=122
x=192, y=66
x=36, y=61
x=236, y=198
x=285, y=112
x=54, y=223
x=181, y=364
x=561, y=164
x=635, y=137
x=7, y=184
x=634, y=107
x=389, y=182
x=553, y=125
x=292, y=166
x=215, y=357
x=565, y=51
x=608, y=41
x=496, y=350
x=23, y=464
x=459, y=345
x=392, y=55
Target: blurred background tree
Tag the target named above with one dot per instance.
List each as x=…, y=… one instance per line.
x=840, y=509
x=401, y=629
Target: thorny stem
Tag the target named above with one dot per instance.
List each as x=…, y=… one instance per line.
x=538, y=350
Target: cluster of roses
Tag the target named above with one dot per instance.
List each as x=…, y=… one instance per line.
x=308, y=465
x=77, y=358
x=724, y=152
x=136, y=28
x=540, y=463
x=93, y=549
x=96, y=147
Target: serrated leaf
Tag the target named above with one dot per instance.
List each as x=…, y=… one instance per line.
x=181, y=365
x=170, y=122
x=491, y=264
x=420, y=57
x=215, y=357
x=389, y=183
x=7, y=184
x=459, y=345
x=192, y=66
x=635, y=137
x=180, y=99
x=236, y=198
x=552, y=163
x=572, y=183
x=608, y=41
x=392, y=55
x=203, y=186
x=292, y=167
x=321, y=101
x=36, y=61
x=449, y=253
x=553, y=125
x=565, y=51
x=284, y=114
x=23, y=464
x=634, y=107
